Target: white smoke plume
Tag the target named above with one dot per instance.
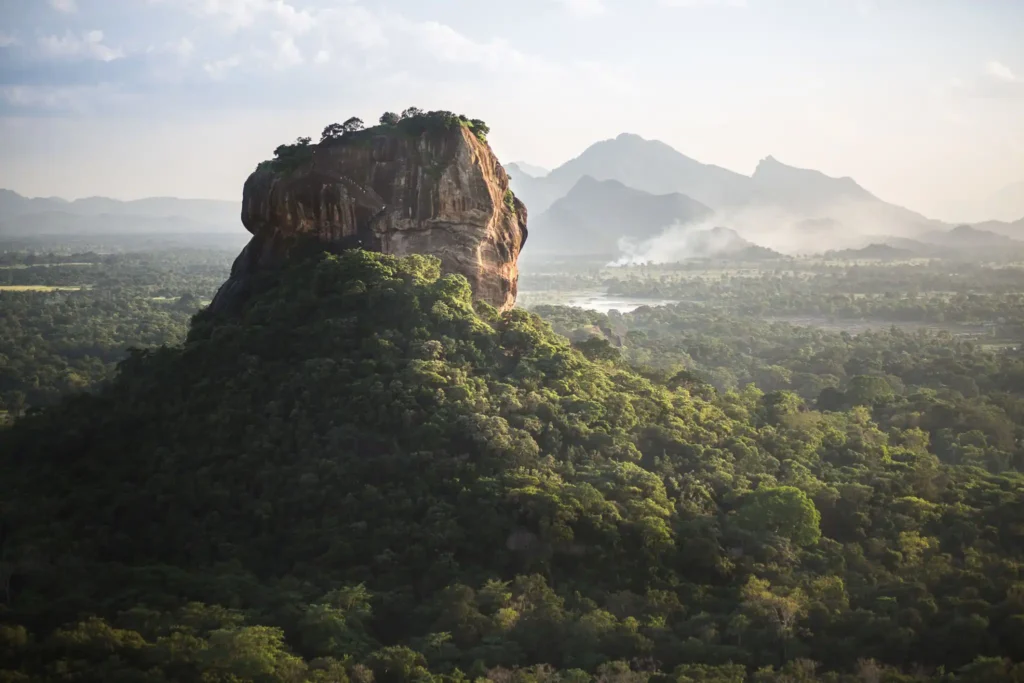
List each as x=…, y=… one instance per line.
x=766, y=226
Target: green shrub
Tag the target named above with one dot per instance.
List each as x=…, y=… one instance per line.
x=413, y=122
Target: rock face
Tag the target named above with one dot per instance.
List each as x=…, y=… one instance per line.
x=440, y=192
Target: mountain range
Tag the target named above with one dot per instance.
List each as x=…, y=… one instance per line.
x=791, y=209
x=962, y=241
x=24, y=216
x=624, y=189
x=646, y=165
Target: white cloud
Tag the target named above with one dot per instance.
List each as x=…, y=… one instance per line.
x=351, y=35
x=448, y=45
x=362, y=31
x=244, y=13
x=219, y=69
x=585, y=8
x=445, y=44
x=1001, y=72
x=8, y=39
x=353, y=24
x=182, y=49
x=703, y=3
x=67, y=6
x=293, y=19
x=87, y=46
x=288, y=53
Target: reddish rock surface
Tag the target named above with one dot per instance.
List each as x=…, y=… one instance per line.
x=441, y=192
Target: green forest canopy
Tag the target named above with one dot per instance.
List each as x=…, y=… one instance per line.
x=366, y=476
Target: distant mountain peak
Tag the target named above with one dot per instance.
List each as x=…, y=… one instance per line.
x=632, y=141
x=656, y=168
x=585, y=182
x=525, y=168
x=804, y=184
x=588, y=183
x=650, y=166
x=772, y=165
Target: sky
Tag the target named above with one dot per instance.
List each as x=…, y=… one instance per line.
x=921, y=101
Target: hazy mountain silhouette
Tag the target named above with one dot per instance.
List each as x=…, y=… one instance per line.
x=873, y=252
x=801, y=188
x=21, y=215
x=646, y=165
x=1014, y=229
x=812, y=194
x=798, y=199
x=961, y=241
x=527, y=168
x=596, y=214
x=967, y=237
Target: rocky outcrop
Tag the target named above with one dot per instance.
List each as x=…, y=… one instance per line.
x=439, y=191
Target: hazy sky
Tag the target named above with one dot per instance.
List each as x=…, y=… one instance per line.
x=922, y=101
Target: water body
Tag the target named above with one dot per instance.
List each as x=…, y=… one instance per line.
x=602, y=302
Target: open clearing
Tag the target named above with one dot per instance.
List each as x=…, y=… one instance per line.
x=37, y=288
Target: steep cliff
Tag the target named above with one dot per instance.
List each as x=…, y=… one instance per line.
x=424, y=186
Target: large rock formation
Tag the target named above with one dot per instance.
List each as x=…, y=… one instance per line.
x=424, y=189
